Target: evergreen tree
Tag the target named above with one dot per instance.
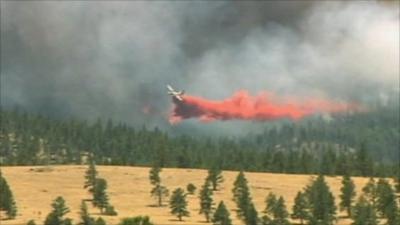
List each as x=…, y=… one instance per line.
x=100, y=221
x=364, y=162
x=322, y=202
x=251, y=215
x=178, y=204
x=370, y=191
x=215, y=177
x=206, y=201
x=276, y=212
x=110, y=211
x=397, y=182
x=396, y=219
x=364, y=213
x=270, y=202
x=386, y=202
x=347, y=194
x=100, y=197
x=90, y=177
x=190, y=188
x=160, y=192
x=300, y=208
x=7, y=202
x=241, y=196
x=281, y=214
x=154, y=175
x=328, y=161
x=31, y=222
x=85, y=217
x=55, y=217
x=221, y=215
x=138, y=220
x=238, y=185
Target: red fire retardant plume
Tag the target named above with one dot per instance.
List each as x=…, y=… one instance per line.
x=242, y=106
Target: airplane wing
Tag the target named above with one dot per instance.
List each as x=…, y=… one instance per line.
x=170, y=88
x=178, y=97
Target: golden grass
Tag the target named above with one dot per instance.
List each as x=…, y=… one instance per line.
x=129, y=191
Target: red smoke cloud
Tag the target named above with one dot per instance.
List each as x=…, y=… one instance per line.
x=242, y=106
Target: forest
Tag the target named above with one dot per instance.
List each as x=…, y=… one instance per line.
x=363, y=144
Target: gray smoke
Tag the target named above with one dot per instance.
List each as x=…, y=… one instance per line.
x=113, y=59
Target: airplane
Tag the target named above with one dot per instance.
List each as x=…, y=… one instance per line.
x=176, y=94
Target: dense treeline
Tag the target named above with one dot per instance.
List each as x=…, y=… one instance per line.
x=356, y=144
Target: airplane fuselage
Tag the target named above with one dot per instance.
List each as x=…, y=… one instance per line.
x=176, y=94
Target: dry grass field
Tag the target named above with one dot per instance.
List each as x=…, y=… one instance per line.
x=129, y=191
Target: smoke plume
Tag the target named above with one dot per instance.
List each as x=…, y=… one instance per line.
x=242, y=106
x=112, y=59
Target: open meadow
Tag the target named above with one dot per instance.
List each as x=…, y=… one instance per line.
x=129, y=191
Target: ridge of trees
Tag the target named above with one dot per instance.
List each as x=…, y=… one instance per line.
x=364, y=144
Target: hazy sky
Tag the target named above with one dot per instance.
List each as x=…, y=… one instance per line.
x=113, y=59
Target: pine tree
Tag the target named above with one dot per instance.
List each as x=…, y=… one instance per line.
x=364, y=163
x=281, y=214
x=251, y=215
x=206, y=201
x=110, y=210
x=190, y=188
x=238, y=185
x=55, y=217
x=241, y=195
x=90, y=177
x=178, y=204
x=154, y=175
x=215, y=177
x=397, y=182
x=221, y=215
x=396, y=219
x=7, y=202
x=300, y=208
x=85, y=217
x=31, y=222
x=100, y=197
x=386, y=202
x=270, y=202
x=100, y=221
x=160, y=192
x=138, y=220
x=275, y=211
x=347, y=194
x=364, y=213
x=370, y=191
x=322, y=202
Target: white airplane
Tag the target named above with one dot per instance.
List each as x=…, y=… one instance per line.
x=176, y=94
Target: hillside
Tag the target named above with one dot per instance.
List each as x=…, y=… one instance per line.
x=358, y=144
x=129, y=190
